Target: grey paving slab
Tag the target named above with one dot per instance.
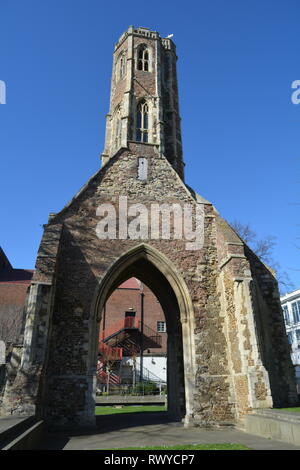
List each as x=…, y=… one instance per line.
x=154, y=430
x=7, y=422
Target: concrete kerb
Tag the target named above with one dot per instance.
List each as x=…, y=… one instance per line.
x=273, y=424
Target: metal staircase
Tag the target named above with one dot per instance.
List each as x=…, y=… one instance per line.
x=127, y=337
x=147, y=375
x=131, y=334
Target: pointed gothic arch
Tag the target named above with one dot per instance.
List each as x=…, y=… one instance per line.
x=142, y=121
x=117, y=128
x=143, y=58
x=121, y=66
x=159, y=274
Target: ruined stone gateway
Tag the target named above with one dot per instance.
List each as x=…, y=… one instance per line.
x=227, y=348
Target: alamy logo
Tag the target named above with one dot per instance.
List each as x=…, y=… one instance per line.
x=2, y=92
x=158, y=221
x=296, y=94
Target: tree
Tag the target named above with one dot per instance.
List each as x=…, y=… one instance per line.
x=10, y=322
x=263, y=248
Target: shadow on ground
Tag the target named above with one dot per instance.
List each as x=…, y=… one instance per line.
x=116, y=422
x=57, y=440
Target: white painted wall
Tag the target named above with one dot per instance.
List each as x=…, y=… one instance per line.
x=156, y=365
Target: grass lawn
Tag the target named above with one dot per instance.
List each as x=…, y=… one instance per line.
x=294, y=410
x=224, y=446
x=111, y=410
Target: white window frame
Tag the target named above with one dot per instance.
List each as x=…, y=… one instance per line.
x=161, y=327
x=296, y=311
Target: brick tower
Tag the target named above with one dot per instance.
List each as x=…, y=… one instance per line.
x=144, y=96
x=226, y=343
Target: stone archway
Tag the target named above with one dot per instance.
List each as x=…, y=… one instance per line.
x=158, y=273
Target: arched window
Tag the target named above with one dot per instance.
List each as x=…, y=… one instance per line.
x=117, y=130
x=118, y=133
x=121, y=66
x=143, y=59
x=142, y=122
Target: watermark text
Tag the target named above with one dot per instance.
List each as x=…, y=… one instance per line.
x=155, y=222
x=296, y=94
x=2, y=92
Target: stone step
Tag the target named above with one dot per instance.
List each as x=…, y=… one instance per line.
x=290, y=416
x=279, y=425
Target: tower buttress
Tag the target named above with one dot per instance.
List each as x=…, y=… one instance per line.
x=144, y=96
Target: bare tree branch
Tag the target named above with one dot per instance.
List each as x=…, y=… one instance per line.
x=10, y=322
x=263, y=248
x=244, y=231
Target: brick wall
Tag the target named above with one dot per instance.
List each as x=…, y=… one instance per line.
x=124, y=298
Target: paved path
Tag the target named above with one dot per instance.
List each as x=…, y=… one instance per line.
x=7, y=422
x=153, y=429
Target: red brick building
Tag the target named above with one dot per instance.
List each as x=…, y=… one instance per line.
x=133, y=296
x=134, y=326
x=14, y=284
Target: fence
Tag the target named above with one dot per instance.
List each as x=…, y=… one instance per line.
x=139, y=389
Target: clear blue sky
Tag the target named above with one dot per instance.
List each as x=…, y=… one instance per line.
x=241, y=132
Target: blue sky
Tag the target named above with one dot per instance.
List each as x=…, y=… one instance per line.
x=241, y=132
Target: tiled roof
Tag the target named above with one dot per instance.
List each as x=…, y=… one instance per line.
x=16, y=276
